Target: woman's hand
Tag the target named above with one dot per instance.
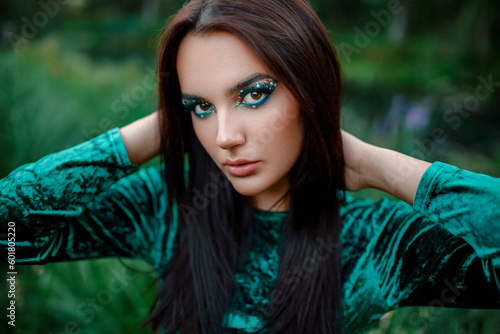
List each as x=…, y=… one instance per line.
x=368, y=166
x=142, y=139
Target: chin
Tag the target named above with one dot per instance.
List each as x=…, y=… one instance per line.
x=245, y=191
x=246, y=187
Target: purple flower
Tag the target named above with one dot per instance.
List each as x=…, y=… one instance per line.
x=417, y=117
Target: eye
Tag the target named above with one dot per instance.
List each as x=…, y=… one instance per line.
x=254, y=97
x=203, y=109
x=200, y=109
x=256, y=94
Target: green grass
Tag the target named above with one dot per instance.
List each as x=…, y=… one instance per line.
x=51, y=99
x=83, y=295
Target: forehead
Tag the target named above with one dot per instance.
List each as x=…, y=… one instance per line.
x=212, y=61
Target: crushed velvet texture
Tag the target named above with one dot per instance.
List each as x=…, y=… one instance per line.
x=443, y=251
x=256, y=279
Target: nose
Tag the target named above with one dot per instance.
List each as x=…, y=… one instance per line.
x=229, y=129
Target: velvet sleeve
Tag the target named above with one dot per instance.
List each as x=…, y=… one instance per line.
x=78, y=204
x=443, y=252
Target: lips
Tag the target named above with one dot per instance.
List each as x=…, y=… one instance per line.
x=241, y=167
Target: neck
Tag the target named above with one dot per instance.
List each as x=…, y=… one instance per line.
x=268, y=203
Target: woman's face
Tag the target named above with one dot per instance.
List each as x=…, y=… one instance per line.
x=239, y=113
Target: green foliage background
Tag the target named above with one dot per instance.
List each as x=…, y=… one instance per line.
x=60, y=86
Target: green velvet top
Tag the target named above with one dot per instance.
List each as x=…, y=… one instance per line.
x=443, y=251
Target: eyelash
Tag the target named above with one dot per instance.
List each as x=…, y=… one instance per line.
x=266, y=87
x=191, y=105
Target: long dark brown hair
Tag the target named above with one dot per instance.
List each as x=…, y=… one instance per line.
x=215, y=234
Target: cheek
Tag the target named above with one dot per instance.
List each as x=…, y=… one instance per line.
x=282, y=125
x=295, y=139
x=284, y=140
x=295, y=136
x=291, y=128
x=204, y=135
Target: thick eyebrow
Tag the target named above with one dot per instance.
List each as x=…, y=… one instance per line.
x=236, y=88
x=245, y=82
x=192, y=97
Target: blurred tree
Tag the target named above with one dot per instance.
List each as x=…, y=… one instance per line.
x=150, y=10
x=468, y=26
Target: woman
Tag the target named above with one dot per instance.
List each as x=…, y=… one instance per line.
x=253, y=230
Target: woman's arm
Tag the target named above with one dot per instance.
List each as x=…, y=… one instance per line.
x=393, y=257
x=61, y=204
x=466, y=204
x=444, y=250
x=369, y=166
x=142, y=139
x=74, y=176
